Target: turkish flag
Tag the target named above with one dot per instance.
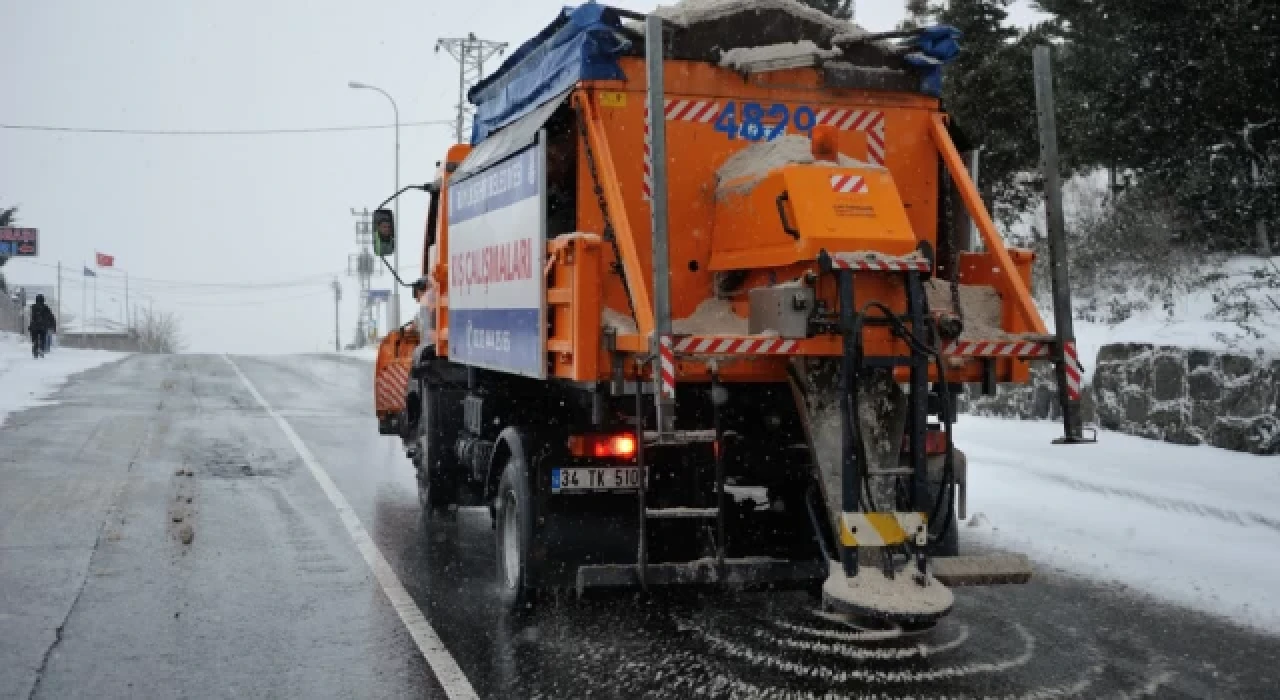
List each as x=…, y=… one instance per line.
x=105, y=260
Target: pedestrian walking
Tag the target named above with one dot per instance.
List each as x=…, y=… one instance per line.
x=41, y=326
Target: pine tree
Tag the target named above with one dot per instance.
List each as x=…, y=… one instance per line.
x=1182, y=94
x=990, y=93
x=840, y=9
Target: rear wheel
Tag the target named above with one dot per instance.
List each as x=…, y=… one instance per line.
x=514, y=537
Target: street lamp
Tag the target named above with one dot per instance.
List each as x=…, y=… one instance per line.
x=395, y=293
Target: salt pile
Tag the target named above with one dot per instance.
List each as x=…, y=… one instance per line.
x=690, y=12
x=794, y=54
x=746, y=168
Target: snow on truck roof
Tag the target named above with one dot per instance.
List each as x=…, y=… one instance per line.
x=585, y=43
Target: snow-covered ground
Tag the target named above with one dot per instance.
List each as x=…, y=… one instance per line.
x=1195, y=320
x=368, y=352
x=27, y=382
x=1196, y=526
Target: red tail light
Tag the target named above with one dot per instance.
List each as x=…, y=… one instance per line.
x=621, y=446
x=935, y=443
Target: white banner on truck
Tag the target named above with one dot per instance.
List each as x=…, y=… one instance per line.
x=497, y=245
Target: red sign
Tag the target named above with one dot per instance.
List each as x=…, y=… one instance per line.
x=23, y=242
x=105, y=260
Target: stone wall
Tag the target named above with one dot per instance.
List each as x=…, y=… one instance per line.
x=1188, y=397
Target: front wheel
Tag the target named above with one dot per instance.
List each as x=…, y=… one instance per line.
x=435, y=458
x=514, y=537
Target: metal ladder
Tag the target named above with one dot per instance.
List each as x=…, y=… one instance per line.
x=716, y=512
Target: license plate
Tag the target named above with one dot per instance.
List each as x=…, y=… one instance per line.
x=595, y=479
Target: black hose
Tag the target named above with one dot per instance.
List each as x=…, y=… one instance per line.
x=945, y=493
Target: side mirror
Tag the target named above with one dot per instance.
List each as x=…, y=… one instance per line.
x=419, y=287
x=384, y=232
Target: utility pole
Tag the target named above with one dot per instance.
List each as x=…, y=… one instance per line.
x=1068, y=368
x=337, y=309
x=362, y=266
x=470, y=53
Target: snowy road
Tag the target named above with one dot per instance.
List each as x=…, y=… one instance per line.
x=161, y=535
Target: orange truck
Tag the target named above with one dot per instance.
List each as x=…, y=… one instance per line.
x=693, y=313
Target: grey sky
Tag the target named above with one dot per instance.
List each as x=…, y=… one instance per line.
x=226, y=209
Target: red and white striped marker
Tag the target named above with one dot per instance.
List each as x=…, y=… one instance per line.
x=701, y=111
x=849, y=184
x=735, y=345
x=1019, y=349
x=677, y=110
x=393, y=383
x=875, y=262
x=667, y=357
x=868, y=121
x=1075, y=371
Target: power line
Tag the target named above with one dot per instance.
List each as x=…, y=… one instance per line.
x=216, y=132
x=104, y=274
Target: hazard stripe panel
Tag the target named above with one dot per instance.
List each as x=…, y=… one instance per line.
x=881, y=529
x=996, y=348
x=875, y=262
x=668, y=367
x=849, y=184
x=734, y=345
x=391, y=386
x=1075, y=371
x=869, y=122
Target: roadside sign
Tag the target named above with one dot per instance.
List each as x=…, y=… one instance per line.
x=379, y=294
x=19, y=242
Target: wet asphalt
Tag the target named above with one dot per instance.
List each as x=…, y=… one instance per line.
x=160, y=537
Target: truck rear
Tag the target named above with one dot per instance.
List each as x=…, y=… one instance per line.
x=694, y=313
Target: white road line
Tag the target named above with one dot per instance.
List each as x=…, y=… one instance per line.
x=452, y=679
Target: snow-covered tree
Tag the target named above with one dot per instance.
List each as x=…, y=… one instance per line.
x=840, y=9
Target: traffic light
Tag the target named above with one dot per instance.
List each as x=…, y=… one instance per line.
x=384, y=232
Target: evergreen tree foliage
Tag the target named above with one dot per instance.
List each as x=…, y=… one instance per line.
x=840, y=9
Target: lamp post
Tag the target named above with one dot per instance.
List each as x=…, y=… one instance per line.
x=395, y=288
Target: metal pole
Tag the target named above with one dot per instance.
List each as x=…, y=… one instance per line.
x=661, y=283
x=337, y=312
x=59, y=291
x=127, y=325
x=393, y=318
x=1043, y=70
x=462, y=97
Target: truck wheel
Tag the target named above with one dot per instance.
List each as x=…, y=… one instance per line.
x=514, y=537
x=436, y=458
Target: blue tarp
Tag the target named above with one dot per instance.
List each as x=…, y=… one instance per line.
x=582, y=43
x=934, y=47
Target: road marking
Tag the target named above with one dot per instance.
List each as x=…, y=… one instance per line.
x=448, y=673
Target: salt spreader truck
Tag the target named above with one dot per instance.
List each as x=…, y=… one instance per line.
x=693, y=312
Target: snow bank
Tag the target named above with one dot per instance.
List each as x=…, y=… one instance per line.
x=368, y=353
x=1194, y=320
x=26, y=382
x=1195, y=526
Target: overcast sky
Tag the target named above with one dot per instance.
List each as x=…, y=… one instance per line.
x=255, y=210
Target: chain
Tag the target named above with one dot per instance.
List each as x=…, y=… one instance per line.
x=953, y=253
x=604, y=210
